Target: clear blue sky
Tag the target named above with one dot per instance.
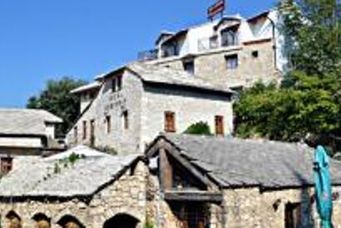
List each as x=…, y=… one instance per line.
x=48, y=39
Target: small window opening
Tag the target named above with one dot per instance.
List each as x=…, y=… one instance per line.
x=189, y=66
x=84, y=129
x=231, y=61
x=255, y=54
x=170, y=122
x=219, y=125
x=108, y=123
x=6, y=165
x=125, y=120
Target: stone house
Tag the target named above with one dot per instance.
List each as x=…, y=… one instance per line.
x=233, y=51
x=182, y=181
x=26, y=132
x=227, y=182
x=138, y=101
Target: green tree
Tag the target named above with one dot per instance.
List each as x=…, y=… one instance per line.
x=309, y=100
x=200, y=128
x=57, y=99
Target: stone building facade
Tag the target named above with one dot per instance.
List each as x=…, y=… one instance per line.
x=137, y=102
x=233, y=51
x=173, y=186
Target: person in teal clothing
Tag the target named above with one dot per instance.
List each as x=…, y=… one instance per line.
x=323, y=188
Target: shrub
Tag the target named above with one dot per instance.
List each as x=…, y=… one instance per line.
x=200, y=128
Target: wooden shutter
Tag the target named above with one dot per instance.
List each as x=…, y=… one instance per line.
x=169, y=122
x=6, y=165
x=219, y=125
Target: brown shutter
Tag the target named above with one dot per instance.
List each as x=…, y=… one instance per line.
x=170, y=122
x=6, y=165
x=219, y=125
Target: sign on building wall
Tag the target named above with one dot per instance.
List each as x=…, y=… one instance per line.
x=217, y=8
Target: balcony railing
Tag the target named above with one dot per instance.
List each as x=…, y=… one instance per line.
x=148, y=55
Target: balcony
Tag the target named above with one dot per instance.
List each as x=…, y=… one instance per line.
x=148, y=55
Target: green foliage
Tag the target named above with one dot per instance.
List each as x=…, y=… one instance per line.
x=313, y=35
x=200, y=128
x=148, y=224
x=309, y=100
x=57, y=99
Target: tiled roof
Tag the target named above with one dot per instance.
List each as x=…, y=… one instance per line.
x=235, y=162
x=35, y=176
x=25, y=121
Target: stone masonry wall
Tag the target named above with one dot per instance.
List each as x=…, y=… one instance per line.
x=211, y=65
x=127, y=195
x=250, y=208
x=113, y=104
x=189, y=108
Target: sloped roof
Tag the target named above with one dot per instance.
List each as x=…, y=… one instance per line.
x=169, y=76
x=35, y=176
x=235, y=162
x=25, y=121
x=90, y=86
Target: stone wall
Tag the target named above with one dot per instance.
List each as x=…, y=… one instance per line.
x=127, y=195
x=250, y=208
x=211, y=65
x=146, y=107
x=189, y=108
x=113, y=104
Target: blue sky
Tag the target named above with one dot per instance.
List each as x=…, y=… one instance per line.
x=41, y=40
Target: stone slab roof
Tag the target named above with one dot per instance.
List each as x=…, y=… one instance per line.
x=235, y=162
x=167, y=76
x=36, y=176
x=90, y=86
x=25, y=121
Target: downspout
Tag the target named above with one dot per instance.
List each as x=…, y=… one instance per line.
x=274, y=41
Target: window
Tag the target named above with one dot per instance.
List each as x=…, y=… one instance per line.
x=219, y=125
x=231, y=61
x=170, y=122
x=75, y=134
x=84, y=129
x=189, y=66
x=117, y=84
x=6, y=164
x=254, y=54
x=229, y=38
x=293, y=215
x=108, y=122
x=213, y=42
x=125, y=120
x=92, y=132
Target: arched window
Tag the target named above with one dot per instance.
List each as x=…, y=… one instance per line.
x=42, y=221
x=121, y=221
x=13, y=220
x=68, y=221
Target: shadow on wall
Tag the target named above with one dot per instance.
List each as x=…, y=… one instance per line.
x=300, y=214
